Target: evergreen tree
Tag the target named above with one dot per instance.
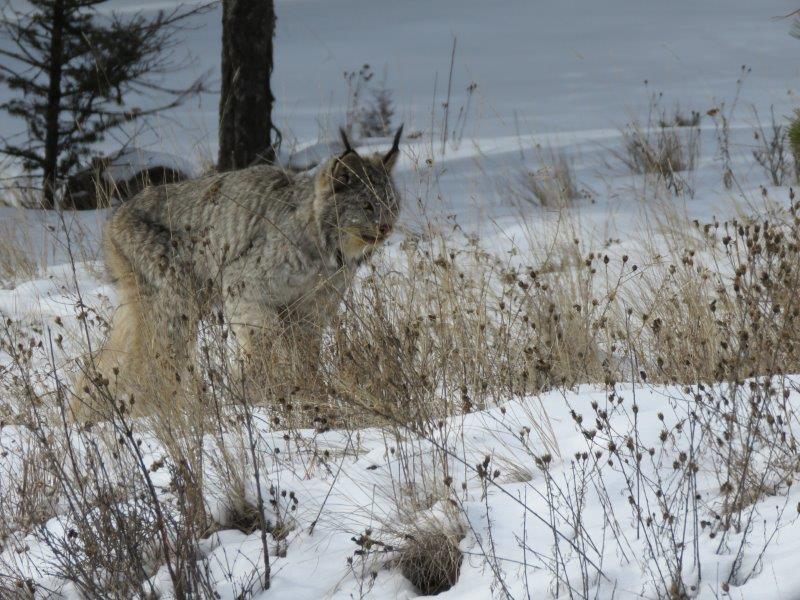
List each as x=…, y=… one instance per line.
x=72, y=68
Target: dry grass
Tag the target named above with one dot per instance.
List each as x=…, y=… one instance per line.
x=453, y=328
x=17, y=190
x=442, y=328
x=666, y=153
x=553, y=186
x=16, y=264
x=21, y=257
x=429, y=556
x=679, y=118
x=772, y=152
x=665, y=147
x=727, y=310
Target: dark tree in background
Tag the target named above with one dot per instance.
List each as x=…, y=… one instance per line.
x=245, y=106
x=72, y=70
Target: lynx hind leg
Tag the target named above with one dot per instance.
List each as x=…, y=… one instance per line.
x=122, y=358
x=144, y=358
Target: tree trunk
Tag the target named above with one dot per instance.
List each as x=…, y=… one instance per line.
x=245, y=107
x=54, y=70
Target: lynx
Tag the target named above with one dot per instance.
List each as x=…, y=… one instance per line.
x=273, y=251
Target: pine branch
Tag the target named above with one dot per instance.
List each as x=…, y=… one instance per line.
x=19, y=152
x=23, y=58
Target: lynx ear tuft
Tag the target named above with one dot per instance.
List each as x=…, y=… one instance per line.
x=347, y=147
x=390, y=158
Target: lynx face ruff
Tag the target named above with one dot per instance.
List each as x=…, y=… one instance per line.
x=268, y=247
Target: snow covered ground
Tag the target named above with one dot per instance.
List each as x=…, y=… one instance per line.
x=549, y=76
x=539, y=527
x=527, y=531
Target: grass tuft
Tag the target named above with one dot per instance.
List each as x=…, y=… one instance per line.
x=430, y=558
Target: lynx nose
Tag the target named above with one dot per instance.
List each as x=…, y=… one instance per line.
x=384, y=229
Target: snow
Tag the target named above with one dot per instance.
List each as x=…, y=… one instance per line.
x=356, y=490
x=510, y=513
x=551, y=76
x=135, y=160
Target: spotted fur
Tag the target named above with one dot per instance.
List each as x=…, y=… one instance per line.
x=266, y=246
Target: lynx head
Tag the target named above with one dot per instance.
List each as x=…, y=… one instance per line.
x=356, y=203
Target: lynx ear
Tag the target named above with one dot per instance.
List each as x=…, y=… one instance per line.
x=390, y=158
x=341, y=170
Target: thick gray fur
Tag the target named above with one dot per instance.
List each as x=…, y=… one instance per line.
x=265, y=245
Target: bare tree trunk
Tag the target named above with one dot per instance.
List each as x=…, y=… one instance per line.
x=54, y=71
x=245, y=107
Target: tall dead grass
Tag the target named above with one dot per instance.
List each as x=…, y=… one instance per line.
x=664, y=147
x=16, y=256
x=553, y=186
x=441, y=328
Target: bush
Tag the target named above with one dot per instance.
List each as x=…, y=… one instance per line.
x=770, y=153
x=793, y=135
x=369, y=106
x=429, y=557
x=666, y=153
x=552, y=186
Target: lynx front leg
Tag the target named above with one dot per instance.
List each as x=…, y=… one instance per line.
x=279, y=352
x=302, y=334
x=252, y=327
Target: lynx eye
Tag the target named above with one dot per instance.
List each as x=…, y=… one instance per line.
x=367, y=206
